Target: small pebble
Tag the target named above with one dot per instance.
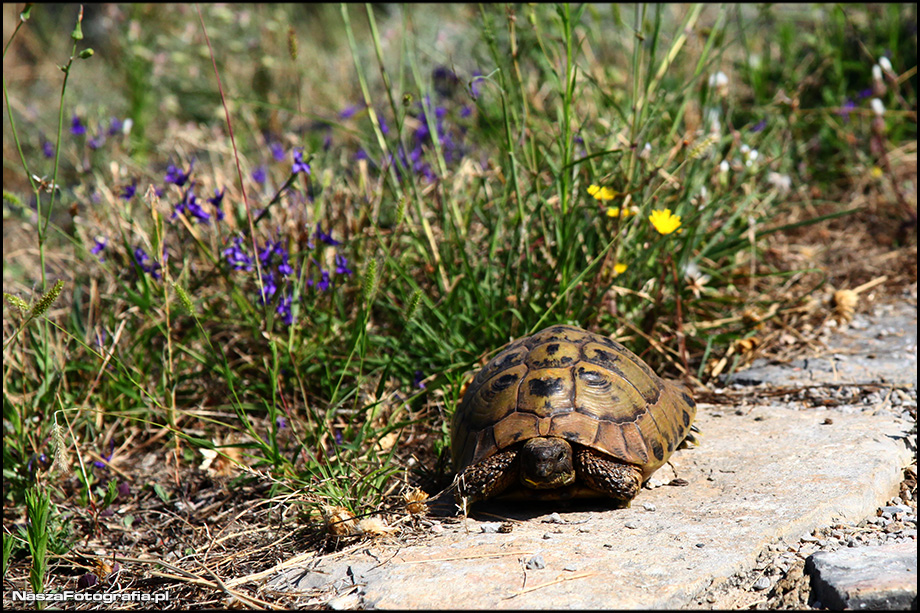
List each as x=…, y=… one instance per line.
x=761, y=584
x=535, y=563
x=631, y=525
x=648, y=506
x=570, y=567
x=555, y=518
x=547, y=536
x=437, y=528
x=490, y=528
x=701, y=545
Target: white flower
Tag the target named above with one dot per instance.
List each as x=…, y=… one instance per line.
x=876, y=72
x=719, y=79
x=719, y=82
x=781, y=183
x=723, y=166
x=127, y=125
x=885, y=63
x=646, y=151
x=877, y=106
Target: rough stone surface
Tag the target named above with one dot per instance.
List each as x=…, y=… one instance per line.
x=883, y=577
x=880, y=347
x=763, y=474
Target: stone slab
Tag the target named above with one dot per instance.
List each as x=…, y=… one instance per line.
x=874, y=578
x=769, y=473
x=876, y=348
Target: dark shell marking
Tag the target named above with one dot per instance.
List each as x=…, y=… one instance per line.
x=564, y=381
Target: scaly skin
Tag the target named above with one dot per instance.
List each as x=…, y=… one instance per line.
x=500, y=472
x=603, y=474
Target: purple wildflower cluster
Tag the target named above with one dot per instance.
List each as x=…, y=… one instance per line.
x=440, y=112
x=99, y=136
x=151, y=267
x=278, y=273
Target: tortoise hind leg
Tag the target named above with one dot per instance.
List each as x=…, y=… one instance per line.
x=489, y=478
x=606, y=475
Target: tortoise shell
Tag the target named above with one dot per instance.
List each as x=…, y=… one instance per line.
x=585, y=388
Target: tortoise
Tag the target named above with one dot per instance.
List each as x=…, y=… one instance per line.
x=562, y=414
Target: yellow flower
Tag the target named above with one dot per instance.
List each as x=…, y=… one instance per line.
x=618, y=212
x=664, y=221
x=601, y=193
x=876, y=172
x=619, y=269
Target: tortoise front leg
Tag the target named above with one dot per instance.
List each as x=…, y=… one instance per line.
x=606, y=475
x=489, y=478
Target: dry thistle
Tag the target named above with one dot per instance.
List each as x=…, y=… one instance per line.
x=339, y=520
x=416, y=501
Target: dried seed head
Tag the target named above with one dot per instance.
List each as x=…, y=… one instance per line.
x=374, y=526
x=61, y=457
x=339, y=520
x=415, y=501
x=844, y=302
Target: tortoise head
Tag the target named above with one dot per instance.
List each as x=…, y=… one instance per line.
x=546, y=463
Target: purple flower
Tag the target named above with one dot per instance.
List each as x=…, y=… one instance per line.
x=258, y=175
x=129, y=191
x=327, y=141
x=476, y=84
x=384, y=128
x=96, y=141
x=284, y=309
x=299, y=164
x=236, y=256
x=100, y=243
x=269, y=287
x=115, y=126
x=846, y=109
x=760, y=125
x=277, y=151
x=361, y=154
x=466, y=111
x=141, y=259
x=281, y=422
x=323, y=283
x=47, y=149
x=418, y=379
x=341, y=265
x=76, y=126
x=189, y=205
x=176, y=176
x=216, y=201
x=326, y=238
x=106, y=458
x=349, y=111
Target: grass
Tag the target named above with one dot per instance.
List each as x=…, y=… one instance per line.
x=271, y=244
